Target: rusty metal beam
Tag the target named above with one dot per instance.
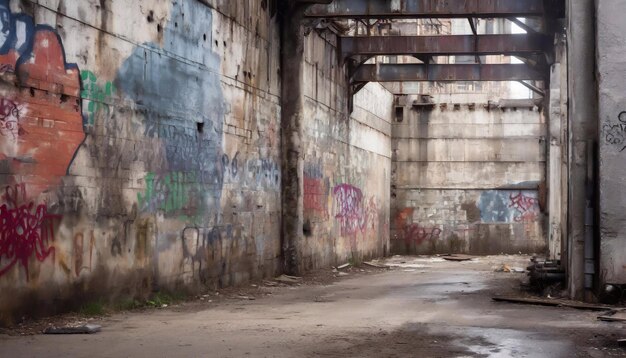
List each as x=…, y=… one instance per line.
x=515, y=44
x=355, y=9
x=441, y=73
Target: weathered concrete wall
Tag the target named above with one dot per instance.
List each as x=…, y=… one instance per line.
x=612, y=122
x=346, y=163
x=140, y=150
x=466, y=179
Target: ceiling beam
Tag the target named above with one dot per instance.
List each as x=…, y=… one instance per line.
x=442, y=73
x=383, y=9
x=451, y=45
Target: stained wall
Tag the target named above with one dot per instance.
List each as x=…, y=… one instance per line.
x=140, y=151
x=468, y=178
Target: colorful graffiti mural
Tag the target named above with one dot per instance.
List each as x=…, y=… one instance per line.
x=414, y=232
x=173, y=193
x=26, y=230
x=508, y=206
x=40, y=119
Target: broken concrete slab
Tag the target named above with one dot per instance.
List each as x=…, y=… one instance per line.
x=84, y=329
x=457, y=257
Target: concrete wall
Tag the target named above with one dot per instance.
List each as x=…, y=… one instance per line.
x=612, y=123
x=140, y=150
x=346, y=163
x=466, y=178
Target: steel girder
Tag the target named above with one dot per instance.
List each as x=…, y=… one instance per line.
x=452, y=72
x=452, y=45
x=427, y=9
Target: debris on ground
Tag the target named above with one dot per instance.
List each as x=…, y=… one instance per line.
x=243, y=297
x=503, y=268
x=375, y=265
x=621, y=342
x=342, y=274
x=84, y=329
x=552, y=303
x=343, y=266
x=288, y=279
x=614, y=316
x=457, y=257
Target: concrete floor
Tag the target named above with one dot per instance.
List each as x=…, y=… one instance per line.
x=427, y=307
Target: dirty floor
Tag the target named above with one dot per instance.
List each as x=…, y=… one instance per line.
x=422, y=307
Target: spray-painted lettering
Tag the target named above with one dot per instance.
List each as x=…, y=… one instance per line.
x=26, y=230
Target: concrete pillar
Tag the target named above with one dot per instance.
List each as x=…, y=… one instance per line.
x=582, y=91
x=611, y=39
x=557, y=115
x=292, y=60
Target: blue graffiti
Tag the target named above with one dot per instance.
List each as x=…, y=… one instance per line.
x=508, y=206
x=177, y=89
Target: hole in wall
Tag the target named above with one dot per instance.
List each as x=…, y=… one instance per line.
x=204, y=37
x=150, y=16
x=399, y=114
x=224, y=43
x=307, y=230
x=64, y=98
x=159, y=28
x=176, y=24
x=32, y=92
x=200, y=127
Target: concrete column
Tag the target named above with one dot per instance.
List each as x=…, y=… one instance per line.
x=557, y=116
x=611, y=37
x=582, y=91
x=292, y=60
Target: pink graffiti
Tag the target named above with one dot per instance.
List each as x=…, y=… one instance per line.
x=352, y=212
x=24, y=230
x=526, y=207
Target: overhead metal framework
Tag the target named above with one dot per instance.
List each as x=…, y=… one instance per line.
x=441, y=73
x=381, y=9
x=445, y=45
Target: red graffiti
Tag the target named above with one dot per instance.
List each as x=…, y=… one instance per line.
x=353, y=212
x=526, y=207
x=25, y=230
x=418, y=234
x=316, y=197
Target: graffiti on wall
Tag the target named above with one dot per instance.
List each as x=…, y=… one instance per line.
x=42, y=128
x=409, y=231
x=527, y=207
x=354, y=213
x=615, y=132
x=189, y=195
x=182, y=109
x=316, y=192
x=174, y=193
x=26, y=230
x=509, y=206
x=96, y=96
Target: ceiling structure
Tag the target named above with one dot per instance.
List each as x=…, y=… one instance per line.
x=533, y=48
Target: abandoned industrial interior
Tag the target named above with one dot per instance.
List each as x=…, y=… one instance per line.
x=312, y=178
